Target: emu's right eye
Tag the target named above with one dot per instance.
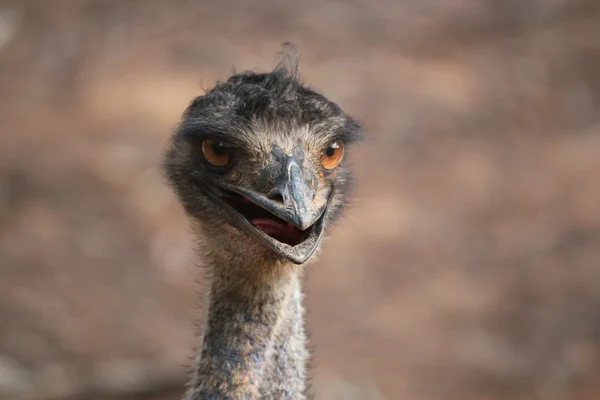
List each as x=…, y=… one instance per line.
x=216, y=151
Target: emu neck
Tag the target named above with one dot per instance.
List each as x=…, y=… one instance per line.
x=253, y=345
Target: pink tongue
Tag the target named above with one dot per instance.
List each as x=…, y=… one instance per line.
x=282, y=232
x=271, y=227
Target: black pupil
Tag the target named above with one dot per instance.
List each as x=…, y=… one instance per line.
x=331, y=150
x=219, y=149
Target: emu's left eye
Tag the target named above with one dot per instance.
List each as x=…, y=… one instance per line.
x=332, y=155
x=216, y=151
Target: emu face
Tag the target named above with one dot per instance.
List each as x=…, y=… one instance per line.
x=266, y=156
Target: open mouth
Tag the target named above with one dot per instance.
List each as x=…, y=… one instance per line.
x=265, y=221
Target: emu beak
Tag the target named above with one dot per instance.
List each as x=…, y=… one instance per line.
x=298, y=194
x=288, y=220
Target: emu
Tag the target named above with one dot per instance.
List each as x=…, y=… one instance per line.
x=259, y=165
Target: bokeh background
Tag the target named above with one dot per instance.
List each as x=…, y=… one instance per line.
x=467, y=269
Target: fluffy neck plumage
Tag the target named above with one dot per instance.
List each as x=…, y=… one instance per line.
x=254, y=344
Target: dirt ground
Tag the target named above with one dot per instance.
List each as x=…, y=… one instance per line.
x=467, y=269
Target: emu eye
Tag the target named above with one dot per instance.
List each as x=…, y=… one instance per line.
x=216, y=151
x=332, y=155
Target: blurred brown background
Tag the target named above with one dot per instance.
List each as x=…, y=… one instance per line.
x=468, y=269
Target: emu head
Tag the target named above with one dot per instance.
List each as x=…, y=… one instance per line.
x=259, y=161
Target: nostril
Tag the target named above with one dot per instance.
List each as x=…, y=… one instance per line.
x=275, y=195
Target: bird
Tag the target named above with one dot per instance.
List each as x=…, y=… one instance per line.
x=259, y=163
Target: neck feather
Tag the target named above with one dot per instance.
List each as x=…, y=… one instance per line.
x=254, y=342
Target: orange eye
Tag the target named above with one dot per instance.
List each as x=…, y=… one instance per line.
x=332, y=155
x=216, y=151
